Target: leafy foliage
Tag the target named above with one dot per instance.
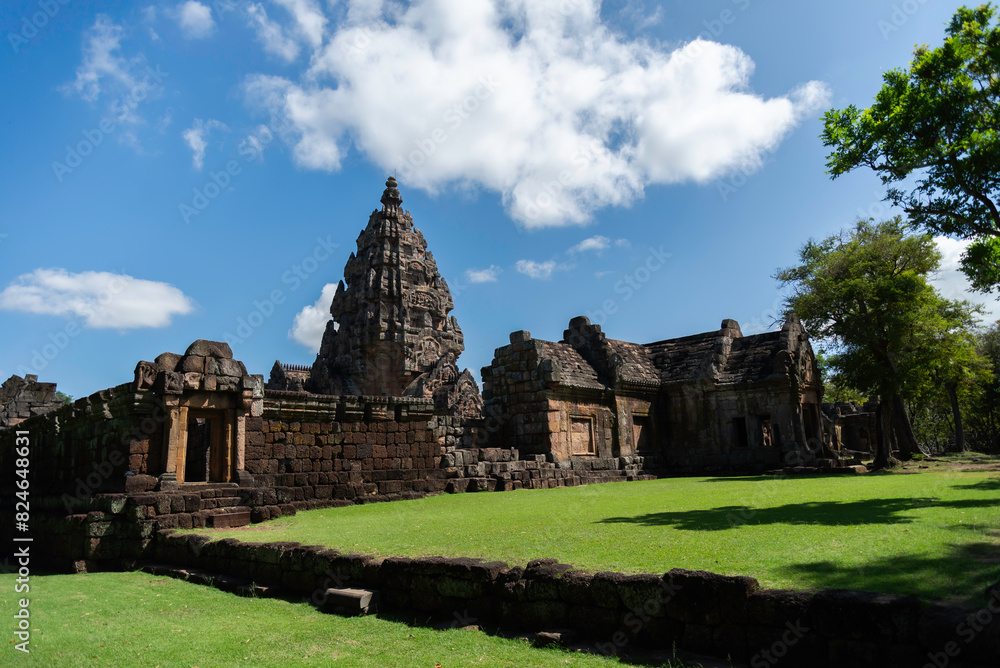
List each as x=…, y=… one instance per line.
x=983, y=399
x=937, y=121
x=865, y=291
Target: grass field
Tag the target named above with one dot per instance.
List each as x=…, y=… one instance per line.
x=133, y=619
x=935, y=533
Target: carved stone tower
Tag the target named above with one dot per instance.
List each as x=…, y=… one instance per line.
x=391, y=334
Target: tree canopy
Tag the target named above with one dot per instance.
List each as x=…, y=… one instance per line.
x=933, y=137
x=865, y=292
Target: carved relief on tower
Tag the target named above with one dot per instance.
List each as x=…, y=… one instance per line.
x=423, y=299
x=428, y=353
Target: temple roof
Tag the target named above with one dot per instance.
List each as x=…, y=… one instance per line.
x=574, y=370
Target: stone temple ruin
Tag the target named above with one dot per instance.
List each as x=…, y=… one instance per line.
x=391, y=334
x=383, y=413
x=23, y=398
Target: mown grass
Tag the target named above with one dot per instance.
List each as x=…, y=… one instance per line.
x=935, y=533
x=134, y=619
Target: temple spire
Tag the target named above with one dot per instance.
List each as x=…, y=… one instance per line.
x=391, y=198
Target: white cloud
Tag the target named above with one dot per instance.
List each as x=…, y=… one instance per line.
x=196, y=138
x=103, y=64
x=538, y=101
x=489, y=275
x=309, y=19
x=102, y=299
x=623, y=243
x=597, y=244
x=271, y=34
x=953, y=284
x=536, y=269
x=123, y=83
x=310, y=323
x=195, y=19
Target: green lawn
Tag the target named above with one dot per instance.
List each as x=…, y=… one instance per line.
x=133, y=619
x=935, y=534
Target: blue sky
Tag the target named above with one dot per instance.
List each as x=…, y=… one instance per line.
x=185, y=170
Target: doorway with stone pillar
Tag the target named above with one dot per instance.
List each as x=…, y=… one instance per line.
x=207, y=455
x=203, y=437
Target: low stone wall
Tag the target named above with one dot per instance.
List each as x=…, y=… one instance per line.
x=90, y=443
x=728, y=617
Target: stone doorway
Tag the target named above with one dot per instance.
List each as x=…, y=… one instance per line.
x=202, y=444
x=206, y=445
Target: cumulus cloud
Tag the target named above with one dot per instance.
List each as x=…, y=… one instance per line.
x=596, y=243
x=196, y=138
x=953, y=284
x=538, y=101
x=310, y=23
x=271, y=35
x=195, y=19
x=536, y=269
x=102, y=299
x=310, y=323
x=488, y=275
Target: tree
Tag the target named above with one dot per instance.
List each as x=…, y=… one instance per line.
x=938, y=121
x=946, y=358
x=865, y=291
x=985, y=399
x=834, y=389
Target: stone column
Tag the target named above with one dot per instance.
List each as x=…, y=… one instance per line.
x=175, y=442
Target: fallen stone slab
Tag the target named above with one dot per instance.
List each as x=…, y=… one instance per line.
x=349, y=601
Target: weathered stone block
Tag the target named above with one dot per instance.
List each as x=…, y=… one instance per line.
x=856, y=615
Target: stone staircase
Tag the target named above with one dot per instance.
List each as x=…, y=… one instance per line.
x=212, y=505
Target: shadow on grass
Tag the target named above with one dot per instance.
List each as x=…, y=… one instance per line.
x=961, y=575
x=989, y=485
x=629, y=654
x=829, y=513
x=782, y=478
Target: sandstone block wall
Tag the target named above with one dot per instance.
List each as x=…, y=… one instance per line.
x=515, y=375
x=728, y=617
x=23, y=398
x=91, y=443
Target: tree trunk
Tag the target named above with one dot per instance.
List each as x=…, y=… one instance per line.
x=883, y=435
x=957, y=412
x=905, y=438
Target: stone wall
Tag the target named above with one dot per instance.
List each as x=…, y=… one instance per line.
x=701, y=429
x=23, y=398
x=344, y=447
x=91, y=443
x=516, y=378
x=728, y=617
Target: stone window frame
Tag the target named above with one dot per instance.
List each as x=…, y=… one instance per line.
x=647, y=428
x=591, y=422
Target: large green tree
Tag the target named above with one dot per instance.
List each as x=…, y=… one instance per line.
x=985, y=397
x=933, y=136
x=946, y=360
x=865, y=293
